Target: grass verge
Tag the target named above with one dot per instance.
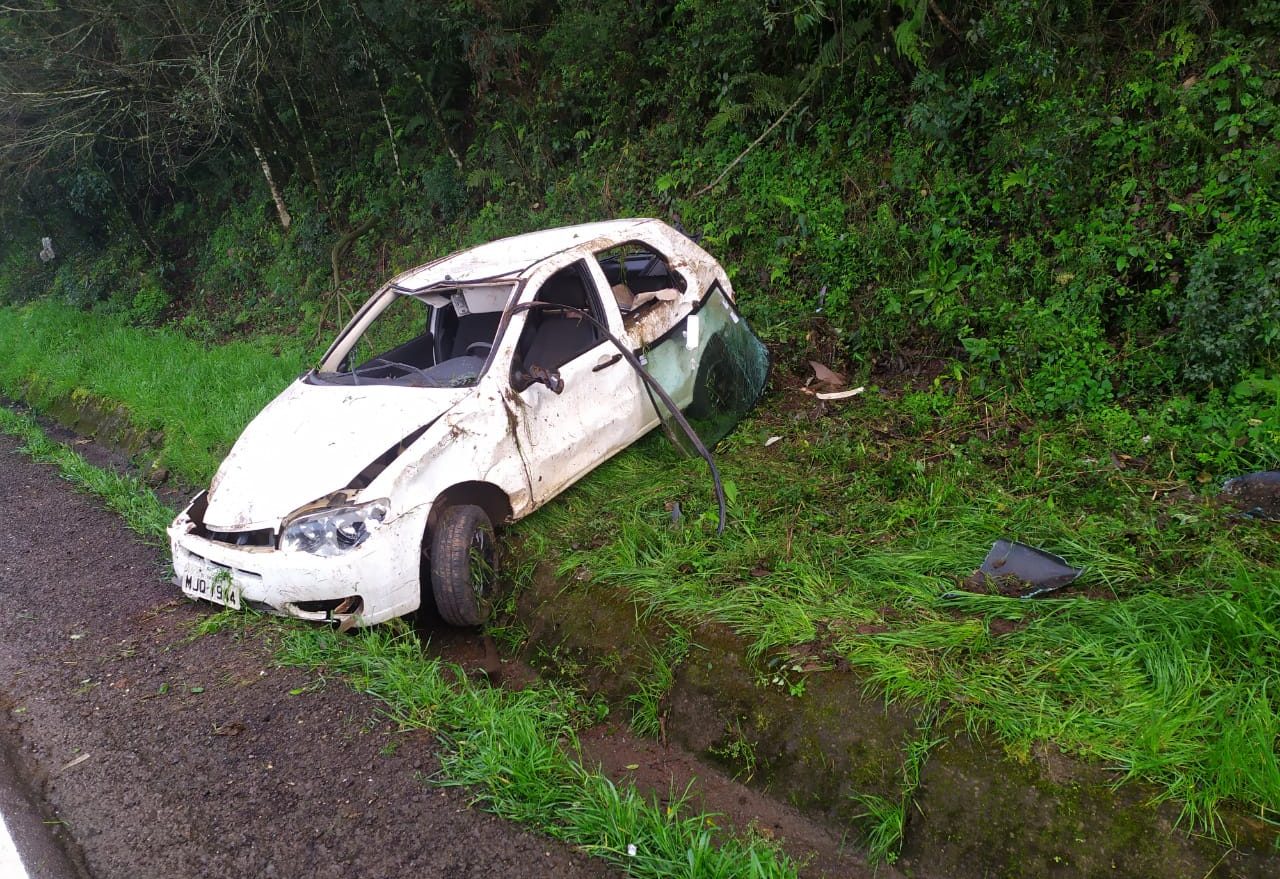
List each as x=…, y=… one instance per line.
x=852, y=534
x=516, y=751
x=199, y=397
x=126, y=495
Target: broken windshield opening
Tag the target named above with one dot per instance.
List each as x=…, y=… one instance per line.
x=439, y=339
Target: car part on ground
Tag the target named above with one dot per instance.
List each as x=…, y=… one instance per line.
x=1019, y=571
x=1030, y=570
x=1255, y=495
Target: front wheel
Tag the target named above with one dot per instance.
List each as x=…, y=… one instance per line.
x=464, y=565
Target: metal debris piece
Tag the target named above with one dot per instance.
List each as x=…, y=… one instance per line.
x=826, y=375
x=1017, y=569
x=1254, y=495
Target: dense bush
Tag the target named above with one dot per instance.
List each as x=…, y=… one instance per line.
x=1079, y=200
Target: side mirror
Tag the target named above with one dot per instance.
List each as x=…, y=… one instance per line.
x=538, y=375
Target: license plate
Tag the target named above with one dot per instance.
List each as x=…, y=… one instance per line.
x=212, y=584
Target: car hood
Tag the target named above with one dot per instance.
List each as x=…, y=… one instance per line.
x=311, y=441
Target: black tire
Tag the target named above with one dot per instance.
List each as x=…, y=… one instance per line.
x=464, y=565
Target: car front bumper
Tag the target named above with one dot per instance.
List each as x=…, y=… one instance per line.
x=382, y=573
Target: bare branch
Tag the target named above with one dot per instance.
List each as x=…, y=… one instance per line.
x=759, y=140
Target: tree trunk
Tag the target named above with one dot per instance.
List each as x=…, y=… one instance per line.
x=285, y=219
x=403, y=55
x=391, y=134
x=126, y=206
x=439, y=120
x=343, y=245
x=306, y=142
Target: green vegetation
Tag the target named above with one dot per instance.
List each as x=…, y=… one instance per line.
x=646, y=702
x=1161, y=662
x=199, y=397
x=1047, y=231
x=516, y=751
x=886, y=819
x=1076, y=199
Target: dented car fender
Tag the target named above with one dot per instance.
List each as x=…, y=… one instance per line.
x=467, y=444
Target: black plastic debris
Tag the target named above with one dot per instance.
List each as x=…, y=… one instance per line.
x=1254, y=495
x=1021, y=571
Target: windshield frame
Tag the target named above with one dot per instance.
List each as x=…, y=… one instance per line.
x=334, y=369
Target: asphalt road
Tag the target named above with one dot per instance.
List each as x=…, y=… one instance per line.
x=135, y=751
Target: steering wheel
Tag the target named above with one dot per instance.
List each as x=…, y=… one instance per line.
x=483, y=349
x=405, y=368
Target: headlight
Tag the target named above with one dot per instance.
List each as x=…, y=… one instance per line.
x=335, y=530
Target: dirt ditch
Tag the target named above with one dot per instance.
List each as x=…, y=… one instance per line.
x=977, y=812
x=793, y=762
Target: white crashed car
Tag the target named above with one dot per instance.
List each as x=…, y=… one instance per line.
x=465, y=393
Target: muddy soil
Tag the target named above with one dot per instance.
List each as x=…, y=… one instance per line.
x=160, y=755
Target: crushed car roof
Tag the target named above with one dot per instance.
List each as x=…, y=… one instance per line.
x=513, y=257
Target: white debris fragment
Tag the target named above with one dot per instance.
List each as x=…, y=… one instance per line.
x=46, y=250
x=631, y=850
x=840, y=395
x=75, y=762
x=771, y=440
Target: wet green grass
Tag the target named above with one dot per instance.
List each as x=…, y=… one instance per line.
x=884, y=819
x=853, y=532
x=200, y=397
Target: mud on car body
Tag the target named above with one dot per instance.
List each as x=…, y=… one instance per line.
x=465, y=393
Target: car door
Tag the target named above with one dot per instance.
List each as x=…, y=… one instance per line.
x=564, y=435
